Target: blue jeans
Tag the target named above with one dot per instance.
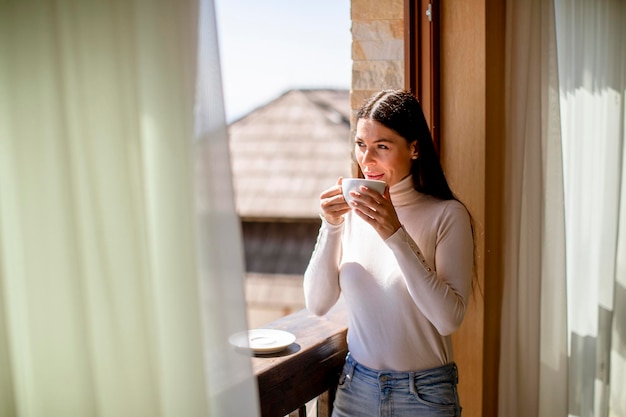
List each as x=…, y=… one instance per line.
x=364, y=392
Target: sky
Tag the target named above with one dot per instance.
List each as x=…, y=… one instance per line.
x=268, y=47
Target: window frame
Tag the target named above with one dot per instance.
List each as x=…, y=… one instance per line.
x=422, y=57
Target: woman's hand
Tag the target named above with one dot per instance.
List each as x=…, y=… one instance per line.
x=333, y=204
x=377, y=210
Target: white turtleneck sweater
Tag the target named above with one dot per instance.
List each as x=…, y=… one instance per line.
x=405, y=295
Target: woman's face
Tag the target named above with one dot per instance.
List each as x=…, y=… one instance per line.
x=381, y=153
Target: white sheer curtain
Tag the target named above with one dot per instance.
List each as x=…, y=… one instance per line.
x=120, y=280
x=533, y=363
x=563, y=346
x=592, y=68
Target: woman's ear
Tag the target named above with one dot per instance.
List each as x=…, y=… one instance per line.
x=414, y=149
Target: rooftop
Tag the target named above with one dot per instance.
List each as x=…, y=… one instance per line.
x=285, y=153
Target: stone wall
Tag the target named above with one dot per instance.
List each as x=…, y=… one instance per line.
x=377, y=48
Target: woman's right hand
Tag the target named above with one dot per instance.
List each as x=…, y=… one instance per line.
x=333, y=204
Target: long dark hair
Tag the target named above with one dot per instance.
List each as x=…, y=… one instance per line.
x=400, y=111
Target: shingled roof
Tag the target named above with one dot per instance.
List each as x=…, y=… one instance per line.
x=284, y=154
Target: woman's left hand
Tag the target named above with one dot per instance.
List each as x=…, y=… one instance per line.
x=377, y=210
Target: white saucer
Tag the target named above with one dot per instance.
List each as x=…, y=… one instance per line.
x=263, y=340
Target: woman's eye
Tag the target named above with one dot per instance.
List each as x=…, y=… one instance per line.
x=360, y=144
x=383, y=147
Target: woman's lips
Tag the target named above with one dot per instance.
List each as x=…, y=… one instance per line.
x=374, y=176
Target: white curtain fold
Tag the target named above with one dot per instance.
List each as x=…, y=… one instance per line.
x=563, y=316
x=220, y=251
x=533, y=364
x=120, y=279
x=592, y=68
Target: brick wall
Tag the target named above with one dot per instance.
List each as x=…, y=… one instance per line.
x=377, y=48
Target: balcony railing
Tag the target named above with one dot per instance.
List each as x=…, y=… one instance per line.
x=307, y=369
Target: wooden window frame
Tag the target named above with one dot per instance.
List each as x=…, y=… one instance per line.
x=421, y=59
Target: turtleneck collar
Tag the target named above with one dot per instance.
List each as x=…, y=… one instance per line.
x=403, y=193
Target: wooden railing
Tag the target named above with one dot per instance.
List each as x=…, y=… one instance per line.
x=307, y=369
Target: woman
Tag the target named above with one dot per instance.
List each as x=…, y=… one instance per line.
x=403, y=262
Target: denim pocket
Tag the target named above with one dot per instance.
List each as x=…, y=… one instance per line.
x=437, y=395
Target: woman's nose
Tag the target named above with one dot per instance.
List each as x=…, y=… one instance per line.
x=367, y=157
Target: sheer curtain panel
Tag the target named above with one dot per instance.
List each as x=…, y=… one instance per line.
x=592, y=70
x=533, y=360
x=564, y=316
x=121, y=273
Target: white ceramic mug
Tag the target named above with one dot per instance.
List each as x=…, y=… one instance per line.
x=349, y=184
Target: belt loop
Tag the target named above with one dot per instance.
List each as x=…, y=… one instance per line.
x=456, y=373
x=351, y=365
x=412, y=387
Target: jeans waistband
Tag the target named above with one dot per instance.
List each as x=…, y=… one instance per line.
x=445, y=373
